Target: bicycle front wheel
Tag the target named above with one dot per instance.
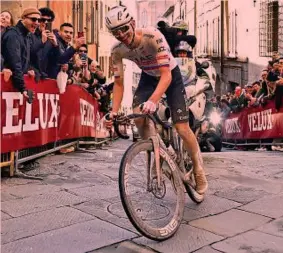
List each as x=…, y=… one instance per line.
x=155, y=212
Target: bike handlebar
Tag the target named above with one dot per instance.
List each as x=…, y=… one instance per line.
x=119, y=120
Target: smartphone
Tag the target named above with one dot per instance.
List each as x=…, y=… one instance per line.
x=30, y=96
x=83, y=56
x=49, y=26
x=80, y=34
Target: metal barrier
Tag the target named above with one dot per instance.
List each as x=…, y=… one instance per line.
x=14, y=159
x=260, y=142
x=7, y=160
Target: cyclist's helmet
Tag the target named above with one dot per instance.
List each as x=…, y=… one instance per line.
x=183, y=46
x=117, y=17
x=181, y=24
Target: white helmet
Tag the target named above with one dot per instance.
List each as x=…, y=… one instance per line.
x=117, y=16
x=180, y=24
x=183, y=46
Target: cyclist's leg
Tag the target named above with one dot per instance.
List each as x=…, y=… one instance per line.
x=146, y=87
x=176, y=97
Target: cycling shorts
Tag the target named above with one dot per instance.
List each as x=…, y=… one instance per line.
x=175, y=94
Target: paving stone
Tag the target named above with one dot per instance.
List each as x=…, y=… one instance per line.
x=241, y=194
x=187, y=239
x=124, y=247
x=251, y=242
x=274, y=228
x=36, y=223
x=31, y=189
x=6, y=196
x=40, y=203
x=97, y=191
x=215, y=185
x=191, y=214
x=213, y=205
x=100, y=209
x=5, y=216
x=78, y=238
x=207, y=249
x=230, y=223
x=271, y=206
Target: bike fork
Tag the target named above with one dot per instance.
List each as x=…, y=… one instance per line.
x=156, y=150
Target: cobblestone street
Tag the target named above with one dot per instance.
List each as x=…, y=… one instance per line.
x=77, y=207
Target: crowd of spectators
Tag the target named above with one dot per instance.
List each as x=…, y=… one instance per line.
x=31, y=47
x=257, y=93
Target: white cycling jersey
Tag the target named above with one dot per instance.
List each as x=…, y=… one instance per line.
x=152, y=53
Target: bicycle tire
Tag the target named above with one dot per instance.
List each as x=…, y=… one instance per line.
x=157, y=234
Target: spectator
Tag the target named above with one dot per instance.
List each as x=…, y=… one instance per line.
x=239, y=100
x=257, y=91
x=6, y=20
x=225, y=108
x=80, y=74
x=96, y=73
x=97, y=78
x=67, y=51
x=15, y=47
x=84, y=50
x=43, y=42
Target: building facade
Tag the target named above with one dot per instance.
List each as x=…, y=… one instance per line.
x=252, y=32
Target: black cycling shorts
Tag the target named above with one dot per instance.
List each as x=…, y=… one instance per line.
x=176, y=94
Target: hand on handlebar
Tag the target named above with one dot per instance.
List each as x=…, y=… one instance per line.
x=148, y=107
x=109, y=119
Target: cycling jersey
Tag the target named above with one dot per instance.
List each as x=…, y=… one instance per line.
x=152, y=53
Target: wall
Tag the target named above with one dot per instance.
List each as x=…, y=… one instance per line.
x=17, y=7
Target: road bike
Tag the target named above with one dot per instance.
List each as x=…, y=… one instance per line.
x=151, y=179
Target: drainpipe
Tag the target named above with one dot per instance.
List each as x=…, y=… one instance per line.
x=195, y=23
x=222, y=53
x=97, y=29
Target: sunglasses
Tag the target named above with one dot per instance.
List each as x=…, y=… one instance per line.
x=44, y=20
x=34, y=19
x=119, y=30
x=83, y=51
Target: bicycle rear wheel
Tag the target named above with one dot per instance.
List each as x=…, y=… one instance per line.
x=155, y=213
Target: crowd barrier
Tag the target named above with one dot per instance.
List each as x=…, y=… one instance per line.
x=51, y=122
x=254, y=125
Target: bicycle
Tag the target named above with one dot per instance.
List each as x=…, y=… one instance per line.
x=166, y=160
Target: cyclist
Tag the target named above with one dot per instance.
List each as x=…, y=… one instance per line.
x=148, y=48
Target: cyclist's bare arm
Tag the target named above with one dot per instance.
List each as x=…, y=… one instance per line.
x=118, y=89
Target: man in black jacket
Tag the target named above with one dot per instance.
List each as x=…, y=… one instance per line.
x=43, y=42
x=16, y=47
x=66, y=50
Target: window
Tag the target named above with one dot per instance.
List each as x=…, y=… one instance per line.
x=90, y=28
x=215, y=37
x=270, y=28
x=232, y=45
x=101, y=15
x=144, y=18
